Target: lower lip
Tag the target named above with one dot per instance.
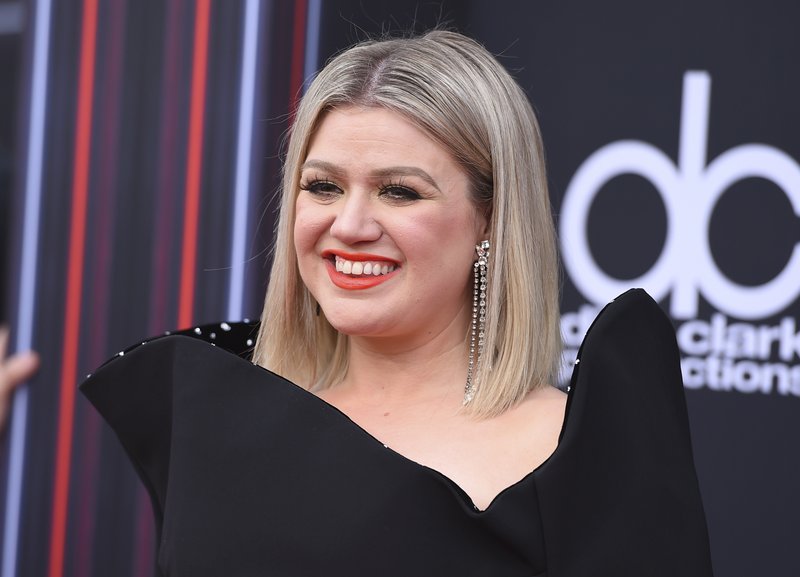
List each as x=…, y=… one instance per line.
x=355, y=283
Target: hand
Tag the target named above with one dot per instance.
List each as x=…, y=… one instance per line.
x=14, y=370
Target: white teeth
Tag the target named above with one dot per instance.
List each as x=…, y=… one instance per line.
x=361, y=267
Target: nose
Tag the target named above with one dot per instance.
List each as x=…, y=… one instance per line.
x=354, y=220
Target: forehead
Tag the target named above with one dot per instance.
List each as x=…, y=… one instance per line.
x=355, y=136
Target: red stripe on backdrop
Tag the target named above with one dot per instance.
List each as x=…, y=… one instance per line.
x=298, y=53
x=194, y=163
x=80, y=186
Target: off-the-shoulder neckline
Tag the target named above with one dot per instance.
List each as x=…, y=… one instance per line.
x=322, y=404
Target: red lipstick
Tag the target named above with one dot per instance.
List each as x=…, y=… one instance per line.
x=350, y=282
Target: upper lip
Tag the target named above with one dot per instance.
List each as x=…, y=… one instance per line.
x=357, y=256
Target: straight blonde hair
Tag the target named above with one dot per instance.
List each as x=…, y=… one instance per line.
x=454, y=90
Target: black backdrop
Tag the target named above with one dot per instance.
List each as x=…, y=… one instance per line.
x=671, y=139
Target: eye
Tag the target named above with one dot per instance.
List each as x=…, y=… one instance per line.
x=398, y=193
x=323, y=189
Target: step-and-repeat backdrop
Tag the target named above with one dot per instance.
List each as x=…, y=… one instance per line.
x=146, y=154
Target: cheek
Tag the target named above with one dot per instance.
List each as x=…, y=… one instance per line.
x=309, y=224
x=441, y=247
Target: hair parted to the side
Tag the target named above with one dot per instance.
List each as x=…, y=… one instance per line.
x=454, y=90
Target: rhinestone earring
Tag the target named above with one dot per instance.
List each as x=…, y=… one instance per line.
x=476, y=337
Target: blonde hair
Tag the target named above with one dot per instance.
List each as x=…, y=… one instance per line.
x=453, y=89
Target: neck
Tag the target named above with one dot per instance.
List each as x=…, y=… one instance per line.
x=396, y=372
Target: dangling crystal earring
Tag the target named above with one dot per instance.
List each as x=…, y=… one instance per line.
x=478, y=315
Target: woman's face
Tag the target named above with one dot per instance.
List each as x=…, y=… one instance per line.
x=385, y=231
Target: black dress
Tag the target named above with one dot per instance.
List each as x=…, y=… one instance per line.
x=251, y=475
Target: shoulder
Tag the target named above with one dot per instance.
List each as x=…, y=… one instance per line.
x=532, y=428
x=545, y=405
x=624, y=458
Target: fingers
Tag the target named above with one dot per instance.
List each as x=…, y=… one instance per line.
x=18, y=369
x=3, y=343
x=15, y=369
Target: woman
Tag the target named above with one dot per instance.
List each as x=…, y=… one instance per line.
x=414, y=300
x=399, y=152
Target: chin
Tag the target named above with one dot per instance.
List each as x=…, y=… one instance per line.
x=358, y=327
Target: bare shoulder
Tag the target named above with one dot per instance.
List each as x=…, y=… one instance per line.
x=538, y=420
x=545, y=402
x=548, y=392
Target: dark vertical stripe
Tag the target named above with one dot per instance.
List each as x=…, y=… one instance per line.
x=298, y=53
x=100, y=279
x=143, y=554
x=167, y=161
x=87, y=499
x=80, y=186
x=160, y=316
x=194, y=163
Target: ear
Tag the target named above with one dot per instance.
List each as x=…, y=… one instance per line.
x=482, y=227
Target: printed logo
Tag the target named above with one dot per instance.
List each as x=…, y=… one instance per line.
x=718, y=354
x=690, y=191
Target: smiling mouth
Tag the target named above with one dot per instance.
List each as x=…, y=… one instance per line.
x=359, y=271
x=362, y=268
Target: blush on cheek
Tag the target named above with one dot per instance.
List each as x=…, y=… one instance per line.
x=308, y=227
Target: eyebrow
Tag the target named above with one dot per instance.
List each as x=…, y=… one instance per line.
x=382, y=173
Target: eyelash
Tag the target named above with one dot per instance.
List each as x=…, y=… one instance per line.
x=406, y=193
x=395, y=191
x=314, y=187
